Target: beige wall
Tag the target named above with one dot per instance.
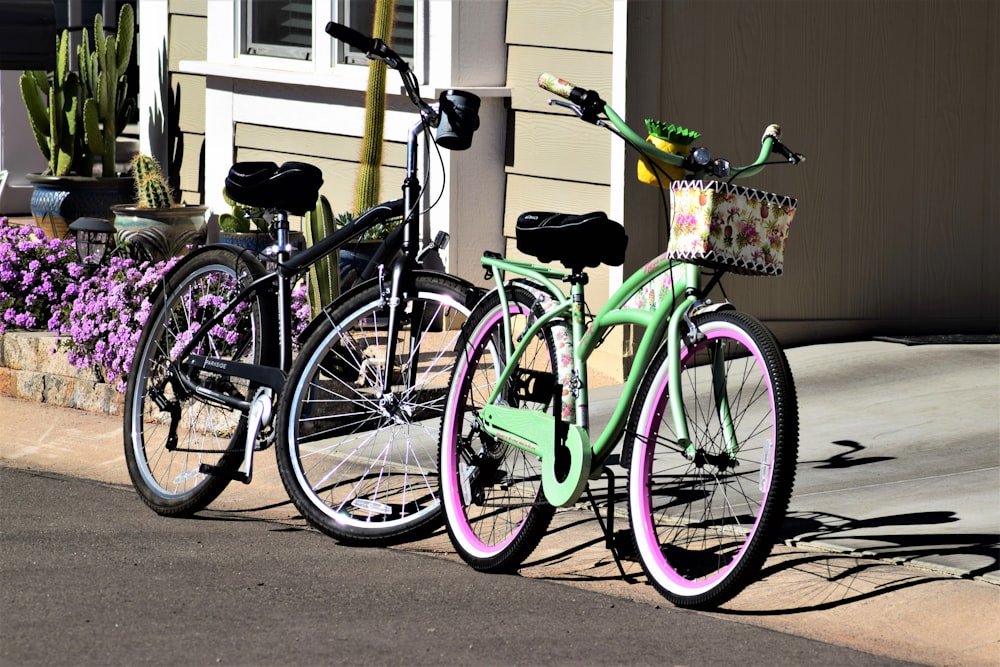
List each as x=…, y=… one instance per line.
x=895, y=105
x=187, y=40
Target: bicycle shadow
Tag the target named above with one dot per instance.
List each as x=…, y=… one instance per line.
x=800, y=578
x=844, y=460
x=811, y=568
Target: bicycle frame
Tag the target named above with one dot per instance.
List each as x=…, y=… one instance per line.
x=278, y=283
x=663, y=323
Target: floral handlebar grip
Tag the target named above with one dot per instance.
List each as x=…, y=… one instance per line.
x=555, y=85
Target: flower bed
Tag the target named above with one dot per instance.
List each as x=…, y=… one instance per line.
x=98, y=316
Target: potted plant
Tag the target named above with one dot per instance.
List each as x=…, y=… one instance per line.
x=76, y=118
x=155, y=223
x=246, y=227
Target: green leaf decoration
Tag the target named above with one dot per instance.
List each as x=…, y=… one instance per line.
x=675, y=134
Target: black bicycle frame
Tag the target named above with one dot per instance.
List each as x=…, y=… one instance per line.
x=279, y=284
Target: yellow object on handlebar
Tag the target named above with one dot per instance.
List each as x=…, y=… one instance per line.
x=674, y=173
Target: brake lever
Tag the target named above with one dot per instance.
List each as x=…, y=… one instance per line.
x=772, y=132
x=575, y=108
x=788, y=154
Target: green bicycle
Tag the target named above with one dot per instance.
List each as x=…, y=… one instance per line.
x=708, y=410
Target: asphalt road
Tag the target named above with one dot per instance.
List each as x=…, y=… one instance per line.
x=91, y=577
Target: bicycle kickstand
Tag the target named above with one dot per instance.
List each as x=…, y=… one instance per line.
x=258, y=417
x=618, y=543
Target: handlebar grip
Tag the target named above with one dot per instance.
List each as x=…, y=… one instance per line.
x=350, y=36
x=589, y=101
x=556, y=86
x=773, y=132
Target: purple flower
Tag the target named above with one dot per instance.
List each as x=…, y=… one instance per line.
x=99, y=317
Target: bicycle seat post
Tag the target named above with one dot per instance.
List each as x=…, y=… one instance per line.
x=279, y=223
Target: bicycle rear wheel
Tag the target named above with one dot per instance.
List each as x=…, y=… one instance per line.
x=704, y=519
x=170, y=432
x=494, y=505
x=358, y=457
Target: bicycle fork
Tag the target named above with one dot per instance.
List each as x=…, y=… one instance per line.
x=720, y=395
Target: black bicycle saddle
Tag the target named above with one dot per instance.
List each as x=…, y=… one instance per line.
x=578, y=241
x=292, y=187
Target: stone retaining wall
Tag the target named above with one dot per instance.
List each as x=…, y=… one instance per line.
x=31, y=369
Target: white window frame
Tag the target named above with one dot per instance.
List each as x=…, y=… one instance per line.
x=468, y=52
x=326, y=54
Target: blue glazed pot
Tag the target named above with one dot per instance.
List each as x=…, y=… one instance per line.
x=59, y=200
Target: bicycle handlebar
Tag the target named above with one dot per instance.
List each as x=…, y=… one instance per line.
x=587, y=104
x=372, y=47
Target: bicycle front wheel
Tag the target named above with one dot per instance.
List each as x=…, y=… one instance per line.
x=169, y=431
x=704, y=517
x=495, y=509
x=356, y=455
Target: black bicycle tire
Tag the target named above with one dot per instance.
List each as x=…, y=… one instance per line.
x=220, y=260
x=686, y=484
x=344, y=317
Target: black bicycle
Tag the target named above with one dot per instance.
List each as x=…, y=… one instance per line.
x=355, y=414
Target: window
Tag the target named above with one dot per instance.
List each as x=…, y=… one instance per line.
x=278, y=28
x=360, y=15
x=284, y=28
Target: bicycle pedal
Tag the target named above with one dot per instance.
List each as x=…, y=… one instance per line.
x=218, y=471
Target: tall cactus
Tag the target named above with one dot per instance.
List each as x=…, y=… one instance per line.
x=106, y=104
x=82, y=114
x=369, y=182
x=54, y=123
x=324, y=275
x=151, y=187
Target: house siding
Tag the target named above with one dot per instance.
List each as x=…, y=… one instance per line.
x=187, y=40
x=335, y=155
x=895, y=106
x=556, y=163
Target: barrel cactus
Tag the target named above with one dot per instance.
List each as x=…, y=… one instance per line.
x=151, y=187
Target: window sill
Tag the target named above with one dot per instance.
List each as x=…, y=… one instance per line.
x=356, y=79
x=352, y=77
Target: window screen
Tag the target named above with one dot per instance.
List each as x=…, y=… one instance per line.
x=360, y=15
x=278, y=28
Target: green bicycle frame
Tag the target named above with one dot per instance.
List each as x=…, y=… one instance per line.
x=661, y=322
x=677, y=287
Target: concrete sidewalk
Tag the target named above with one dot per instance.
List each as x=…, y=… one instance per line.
x=892, y=540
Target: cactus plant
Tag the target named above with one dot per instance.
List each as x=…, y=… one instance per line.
x=324, y=275
x=151, y=187
x=54, y=123
x=104, y=88
x=369, y=182
x=77, y=115
x=243, y=219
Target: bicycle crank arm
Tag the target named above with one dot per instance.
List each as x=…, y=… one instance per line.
x=565, y=465
x=258, y=417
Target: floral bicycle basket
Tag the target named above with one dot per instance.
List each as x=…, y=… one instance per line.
x=727, y=226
